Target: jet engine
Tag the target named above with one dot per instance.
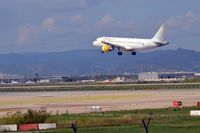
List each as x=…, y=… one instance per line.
x=106, y=48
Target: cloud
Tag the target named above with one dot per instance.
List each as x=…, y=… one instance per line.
x=49, y=24
x=25, y=33
x=77, y=19
x=33, y=32
x=105, y=20
x=62, y=4
x=108, y=23
x=185, y=22
x=49, y=4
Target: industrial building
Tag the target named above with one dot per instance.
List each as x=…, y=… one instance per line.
x=165, y=76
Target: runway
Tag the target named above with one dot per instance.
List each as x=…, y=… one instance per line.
x=81, y=101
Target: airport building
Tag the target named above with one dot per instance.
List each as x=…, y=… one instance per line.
x=164, y=76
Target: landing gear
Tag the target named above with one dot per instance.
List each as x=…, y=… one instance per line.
x=119, y=53
x=133, y=53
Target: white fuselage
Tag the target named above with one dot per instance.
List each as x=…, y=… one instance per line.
x=127, y=43
x=132, y=44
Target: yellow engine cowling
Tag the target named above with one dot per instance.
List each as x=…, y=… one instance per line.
x=106, y=48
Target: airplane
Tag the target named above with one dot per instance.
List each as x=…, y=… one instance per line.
x=108, y=44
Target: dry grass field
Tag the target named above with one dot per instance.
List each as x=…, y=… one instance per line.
x=81, y=101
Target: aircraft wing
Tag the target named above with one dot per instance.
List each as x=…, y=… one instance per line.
x=124, y=45
x=116, y=45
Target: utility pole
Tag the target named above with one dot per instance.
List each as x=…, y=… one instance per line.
x=146, y=124
x=74, y=126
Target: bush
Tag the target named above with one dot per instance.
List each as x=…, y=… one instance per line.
x=31, y=116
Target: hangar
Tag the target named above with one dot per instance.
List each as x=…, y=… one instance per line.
x=157, y=76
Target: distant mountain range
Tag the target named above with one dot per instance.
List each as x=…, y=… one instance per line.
x=86, y=62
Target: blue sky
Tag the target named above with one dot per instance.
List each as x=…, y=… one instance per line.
x=61, y=25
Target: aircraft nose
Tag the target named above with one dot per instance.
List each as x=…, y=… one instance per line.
x=95, y=43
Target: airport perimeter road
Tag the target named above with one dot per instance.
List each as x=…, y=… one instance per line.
x=82, y=101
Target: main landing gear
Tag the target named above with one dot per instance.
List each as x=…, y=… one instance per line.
x=119, y=53
x=133, y=53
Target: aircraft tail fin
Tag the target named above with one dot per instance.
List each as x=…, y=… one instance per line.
x=160, y=36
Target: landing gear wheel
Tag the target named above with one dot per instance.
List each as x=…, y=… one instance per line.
x=133, y=53
x=119, y=53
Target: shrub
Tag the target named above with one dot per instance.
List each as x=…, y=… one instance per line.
x=31, y=116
